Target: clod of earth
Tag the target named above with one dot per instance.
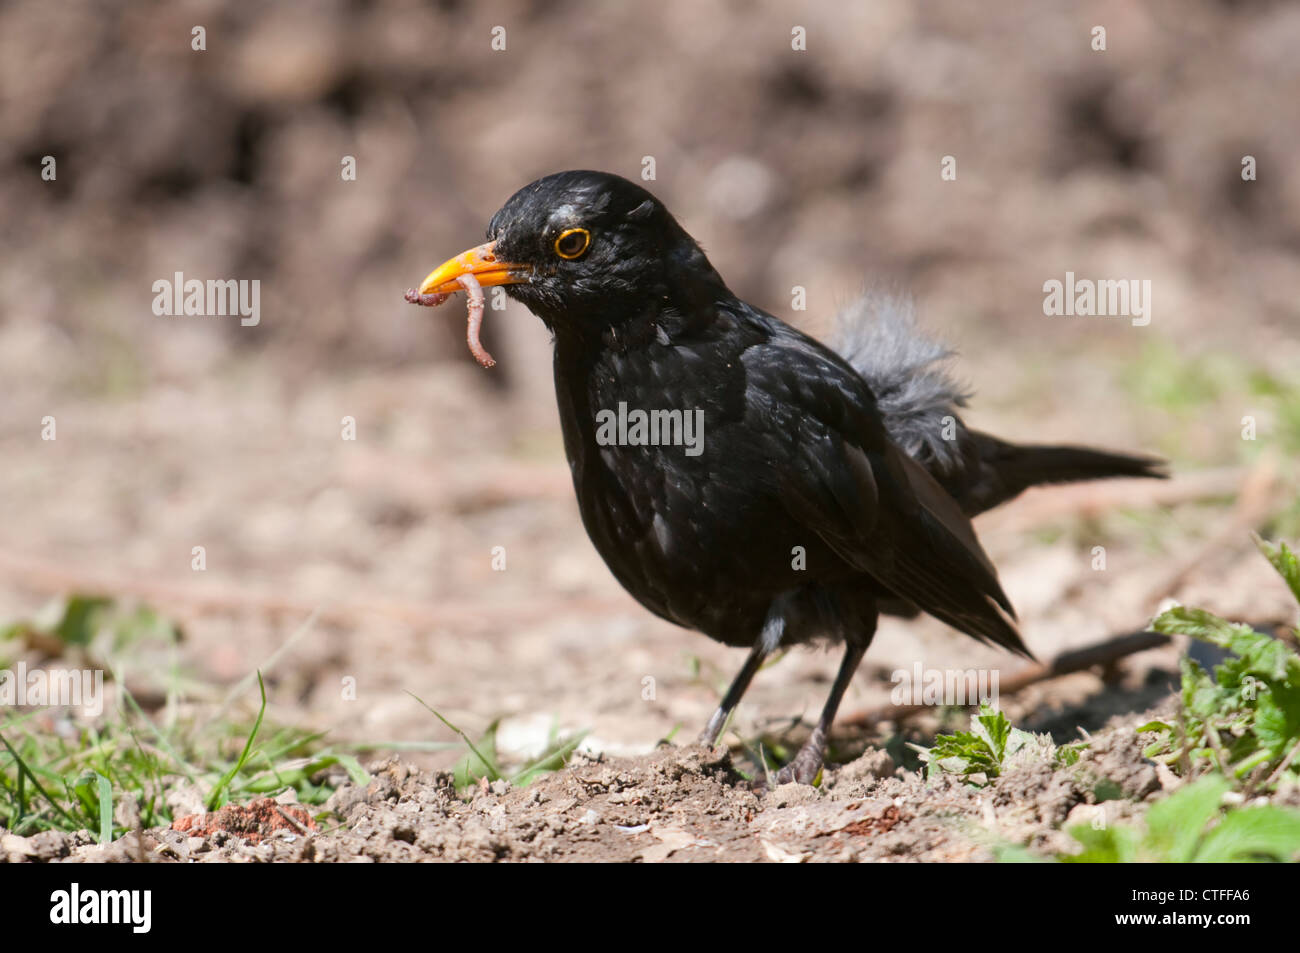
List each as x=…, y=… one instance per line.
x=254, y=822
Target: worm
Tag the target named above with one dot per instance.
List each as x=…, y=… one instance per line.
x=474, y=294
x=429, y=301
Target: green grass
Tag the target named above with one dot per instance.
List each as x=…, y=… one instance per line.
x=64, y=774
x=61, y=773
x=71, y=779
x=482, y=762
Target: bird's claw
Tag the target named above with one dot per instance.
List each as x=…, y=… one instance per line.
x=806, y=768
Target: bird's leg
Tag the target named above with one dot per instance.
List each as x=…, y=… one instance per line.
x=729, y=701
x=808, y=762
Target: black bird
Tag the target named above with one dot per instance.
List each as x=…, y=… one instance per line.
x=827, y=486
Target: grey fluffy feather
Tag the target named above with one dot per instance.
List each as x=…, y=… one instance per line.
x=908, y=373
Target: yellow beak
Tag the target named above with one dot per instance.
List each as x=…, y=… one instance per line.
x=482, y=263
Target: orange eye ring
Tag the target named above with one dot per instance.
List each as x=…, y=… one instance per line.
x=572, y=243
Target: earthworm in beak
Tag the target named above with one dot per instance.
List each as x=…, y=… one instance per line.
x=475, y=301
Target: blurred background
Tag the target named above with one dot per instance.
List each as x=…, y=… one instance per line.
x=328, y=560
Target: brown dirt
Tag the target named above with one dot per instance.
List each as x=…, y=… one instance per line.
x=674, y=804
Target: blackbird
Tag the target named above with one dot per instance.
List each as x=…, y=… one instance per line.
x=737, y=476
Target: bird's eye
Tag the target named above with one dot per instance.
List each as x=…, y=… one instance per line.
x=572, y=242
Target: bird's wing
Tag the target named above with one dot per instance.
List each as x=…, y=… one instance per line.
x=843, y=478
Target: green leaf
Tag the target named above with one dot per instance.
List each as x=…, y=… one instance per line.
x=1199, y=624
x=1067, y=755
x=1156, y=726
x=1015, y=854
x=359, y=776
x=78, y=623
x=992, y=726
x=1111, y=845
x=1285, y=561
x=1190, y=826
x=1175, y=825
x=1253, y=833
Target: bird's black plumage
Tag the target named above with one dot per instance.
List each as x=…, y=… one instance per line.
x=815, y=499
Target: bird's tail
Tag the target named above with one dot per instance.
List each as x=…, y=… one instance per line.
x=1021, y=466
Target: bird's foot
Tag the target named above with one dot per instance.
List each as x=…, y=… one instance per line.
x=806, y=766
x=804, y=769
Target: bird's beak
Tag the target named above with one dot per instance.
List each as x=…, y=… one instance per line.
x=482, y=263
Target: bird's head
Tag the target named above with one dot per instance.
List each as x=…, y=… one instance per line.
x=586, y=251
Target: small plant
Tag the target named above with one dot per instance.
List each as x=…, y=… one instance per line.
x=1192, y=825
x=1244, y=719
x=991, y=746
x=481, y=763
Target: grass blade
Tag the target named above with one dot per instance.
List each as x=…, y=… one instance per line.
x=214, y=799
x=105, y=809
x=490, y=763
